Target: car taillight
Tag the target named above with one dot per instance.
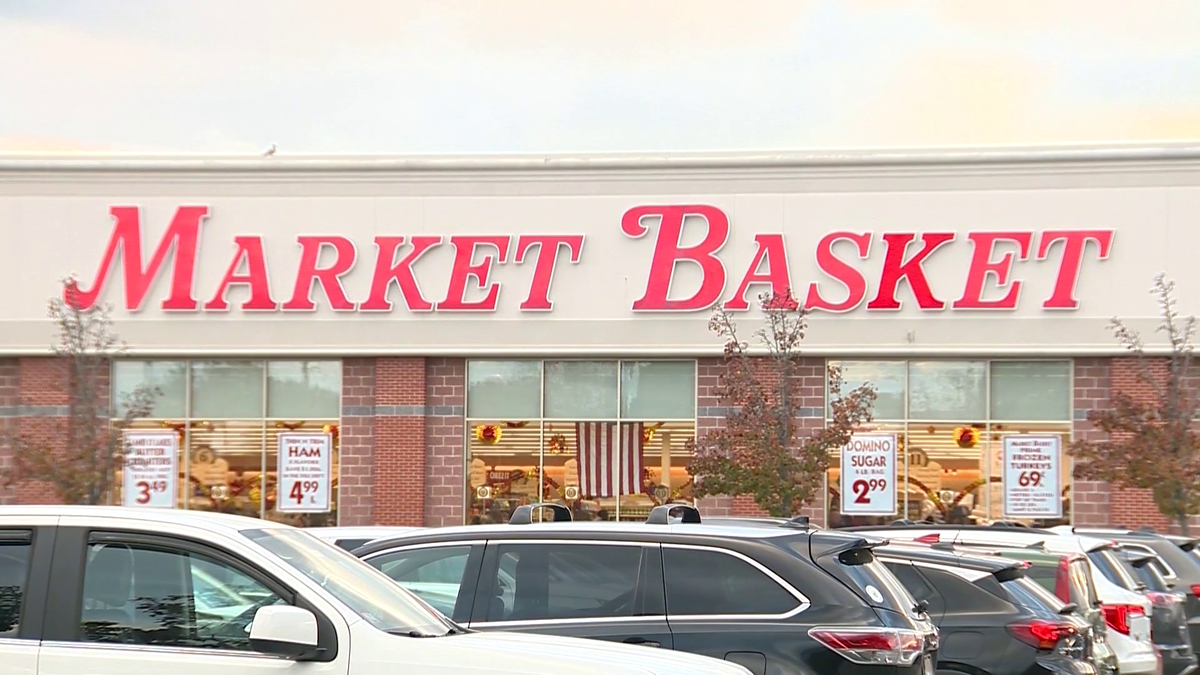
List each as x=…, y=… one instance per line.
x=929, y=539
x=1062, y=580
x=1196, y=590
x=871, y=646
x=1041, y=634
x=1118, y=617
x=1159, y=599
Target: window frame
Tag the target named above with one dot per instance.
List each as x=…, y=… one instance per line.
x=1165, y=569
x=803, y=602
x=542, y=420
x=62, y=618
x=467, y=592
x=31, y=617
x=491, y=567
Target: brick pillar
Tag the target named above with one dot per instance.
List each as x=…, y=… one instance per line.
x=356, y=438
x=711, y=415
x=1093, y=381
x=42, y=418
x=445, y=438
x=10, y=406
x=399, y=457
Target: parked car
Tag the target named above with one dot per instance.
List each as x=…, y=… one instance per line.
x=113, y=591
x=350, y=538
x=779, y=600
x=1126, y=612
x=1067, y=575
x=1176, y=560
x=1168, y=620
x=992, y=619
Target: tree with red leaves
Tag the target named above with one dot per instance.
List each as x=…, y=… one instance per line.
x=80, y=464
x=763, y=450
x=1151, y=441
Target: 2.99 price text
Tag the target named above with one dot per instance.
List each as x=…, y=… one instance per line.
x=863, y=488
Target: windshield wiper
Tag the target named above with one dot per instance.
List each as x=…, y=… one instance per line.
x=421, y=634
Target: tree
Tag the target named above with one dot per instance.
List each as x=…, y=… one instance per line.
x=761, y=450
x=1150, y=441
x=81, y=461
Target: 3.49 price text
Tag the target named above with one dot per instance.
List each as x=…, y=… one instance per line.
x=146, y=487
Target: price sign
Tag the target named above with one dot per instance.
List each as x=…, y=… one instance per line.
x=1032, y=476
x=869, y=475
x=304, y=472
x=150, y=474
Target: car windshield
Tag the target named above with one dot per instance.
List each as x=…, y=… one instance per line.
x=365, y=590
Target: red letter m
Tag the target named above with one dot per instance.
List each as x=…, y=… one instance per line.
x=179, y=241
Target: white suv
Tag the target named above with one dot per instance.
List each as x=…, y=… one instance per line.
x=116, y=591
x=1126, y=612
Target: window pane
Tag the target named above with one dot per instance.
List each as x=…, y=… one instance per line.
x=14, y=570
x=433, y=574
x=301, y=390
x=711, y=582
x=658, y=390
x=504, y=389
x=581, y=389
x=947, y=390
x=169, y=377
x=888, y=379
x=502, y=468
x=225, y=468
x=227, y=389
x=1031, y=390
x=176, y=599
x=564, y=581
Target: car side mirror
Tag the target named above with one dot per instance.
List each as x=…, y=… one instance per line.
x=283, y=630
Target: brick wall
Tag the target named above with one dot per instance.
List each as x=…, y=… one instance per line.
x=445, y=481
x=1093, y=381
x=711, y=415
x=357, y=443
x=399, y=454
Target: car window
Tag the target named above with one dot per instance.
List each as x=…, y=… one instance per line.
x=565, y=581
x=362, y=589
x=1159, y=564
x=1083, y=588
x=1033, y=596
x=155, y=595
x=14, y=572
x=1110, y=567
x=914, y=582
x=711, y=582
x=433, y=574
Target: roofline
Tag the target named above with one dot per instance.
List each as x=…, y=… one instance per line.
x=1138, y=152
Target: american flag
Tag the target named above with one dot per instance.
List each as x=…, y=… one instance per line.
x=610, y=461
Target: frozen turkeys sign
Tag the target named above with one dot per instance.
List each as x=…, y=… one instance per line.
x=993, y=280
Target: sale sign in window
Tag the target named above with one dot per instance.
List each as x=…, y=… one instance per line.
x=305, y=465
x=150, y=472
x=1032, y=476
x=869, y=475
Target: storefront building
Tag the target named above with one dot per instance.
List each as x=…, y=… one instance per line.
x=469, y=334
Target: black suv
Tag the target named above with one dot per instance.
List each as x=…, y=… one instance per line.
x=1168, y=620
x=781, y=600
x=1178, y=566
x=992, y=618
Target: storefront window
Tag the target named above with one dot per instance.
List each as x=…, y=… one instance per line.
x=228, y=415
x=608, y=439
x=951, y=431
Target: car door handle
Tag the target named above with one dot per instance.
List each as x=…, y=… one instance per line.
x=642, y=641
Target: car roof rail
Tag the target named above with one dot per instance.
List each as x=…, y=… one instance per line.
x=661, y=515
x=799, y=522
x=1149, y=529
x=523, y=514
x=1008, y=523
x=902, y=522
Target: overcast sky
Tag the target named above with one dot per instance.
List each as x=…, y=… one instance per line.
x=485, y=76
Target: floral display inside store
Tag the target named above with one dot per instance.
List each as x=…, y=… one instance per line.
x=228, y=416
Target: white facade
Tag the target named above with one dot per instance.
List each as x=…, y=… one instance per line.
x=1126, y=213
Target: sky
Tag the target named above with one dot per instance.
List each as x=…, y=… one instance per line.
x=563, y=76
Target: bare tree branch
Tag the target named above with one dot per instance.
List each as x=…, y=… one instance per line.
x=82, y=466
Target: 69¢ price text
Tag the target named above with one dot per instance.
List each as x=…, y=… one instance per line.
x=1029, y=479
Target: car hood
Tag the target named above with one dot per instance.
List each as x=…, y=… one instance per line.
x=503, y=653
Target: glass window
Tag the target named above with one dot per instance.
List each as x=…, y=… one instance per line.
x=711, y=583
x=169, y=378
x=947, y=390
x=565, y=581
x=581, y=390
x=504, y=389
x=14, y=571
x=1031, y=390
x=912, y=580
x=433, y=574
x=302, y=390
x=227, y=389
x=176, y=598
x=658, y=390
x=888, y=379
